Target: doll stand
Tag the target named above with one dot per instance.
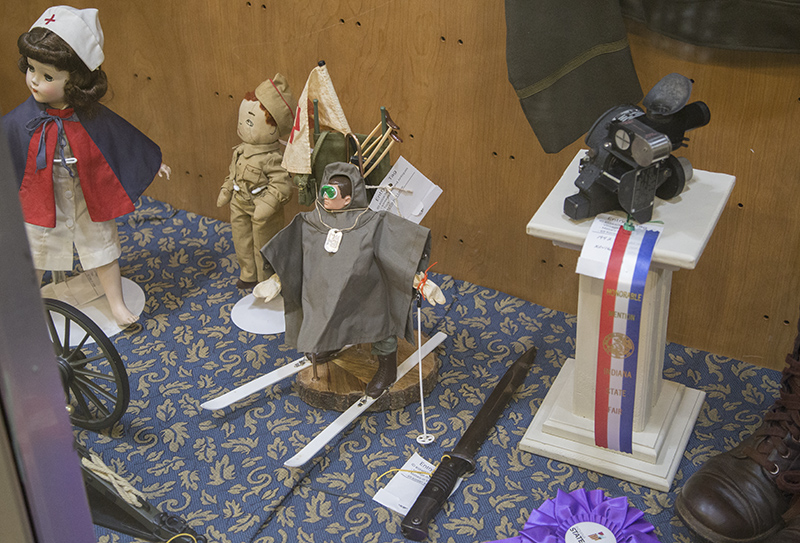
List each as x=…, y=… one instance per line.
x=664, y=412
x=98, y=309
x=341, y=382
x=258, y=317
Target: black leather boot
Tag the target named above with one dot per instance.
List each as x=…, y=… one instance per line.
x=790, y=534
x=385, y=376
x=746, y=495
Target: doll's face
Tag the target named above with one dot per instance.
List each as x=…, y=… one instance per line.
x=46, y=83
x=253, y=127
x=332, y=198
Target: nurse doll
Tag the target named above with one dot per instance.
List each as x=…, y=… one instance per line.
x=79, y=165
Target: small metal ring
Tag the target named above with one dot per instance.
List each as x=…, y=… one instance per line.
x=775, y=470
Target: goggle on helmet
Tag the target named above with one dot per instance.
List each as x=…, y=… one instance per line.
x=331, y=191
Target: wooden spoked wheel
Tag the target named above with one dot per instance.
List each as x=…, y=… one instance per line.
x=94, y=377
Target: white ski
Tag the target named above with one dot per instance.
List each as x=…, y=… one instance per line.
x=354, y=411
x=259, y=383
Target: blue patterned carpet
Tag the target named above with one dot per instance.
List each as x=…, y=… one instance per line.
x=223, y=471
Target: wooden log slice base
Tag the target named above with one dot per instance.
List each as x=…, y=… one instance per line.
x=343, y=380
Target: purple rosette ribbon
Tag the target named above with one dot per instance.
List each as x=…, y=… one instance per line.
x=585, y=517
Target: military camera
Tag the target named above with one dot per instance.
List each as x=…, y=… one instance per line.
x=630, y=160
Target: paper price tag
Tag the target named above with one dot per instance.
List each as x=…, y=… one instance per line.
x=406, y=192
x=406, y=485
x=599, y=241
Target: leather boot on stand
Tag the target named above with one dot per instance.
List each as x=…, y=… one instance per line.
x=750, y=493
x=385, y=376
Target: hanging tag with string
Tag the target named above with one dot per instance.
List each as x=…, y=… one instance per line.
x=334, y=237
x=333, y=240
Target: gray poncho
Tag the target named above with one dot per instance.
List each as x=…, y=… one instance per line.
x=361, y=293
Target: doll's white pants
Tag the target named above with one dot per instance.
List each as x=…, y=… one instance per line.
x=97, y=243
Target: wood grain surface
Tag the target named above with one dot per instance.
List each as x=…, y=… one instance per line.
x=178, y=71
x=341, y=382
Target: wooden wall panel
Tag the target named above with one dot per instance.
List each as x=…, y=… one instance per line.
x=743, y=297
x=178, y=71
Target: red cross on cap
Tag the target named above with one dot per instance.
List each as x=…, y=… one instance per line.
x=50, y=19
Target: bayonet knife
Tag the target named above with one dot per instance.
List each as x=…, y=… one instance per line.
x=461, y=459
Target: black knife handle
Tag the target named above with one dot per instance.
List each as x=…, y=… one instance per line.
x=432, y=497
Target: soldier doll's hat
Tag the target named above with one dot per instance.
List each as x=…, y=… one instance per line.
x=80, y=28
x=275, y=95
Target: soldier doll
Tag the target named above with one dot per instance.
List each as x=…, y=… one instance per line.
x=257, y=187
x=348, y=274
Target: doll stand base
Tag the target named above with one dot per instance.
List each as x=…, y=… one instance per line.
x=258, y=317
x=98, y=309
x=342, y=381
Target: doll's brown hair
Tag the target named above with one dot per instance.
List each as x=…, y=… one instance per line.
x=84, y=88
x=251, y=97
x=344, y=183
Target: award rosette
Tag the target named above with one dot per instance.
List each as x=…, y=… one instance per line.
x=585, y=517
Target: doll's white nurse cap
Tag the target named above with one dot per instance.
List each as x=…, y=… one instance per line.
x=80, y=28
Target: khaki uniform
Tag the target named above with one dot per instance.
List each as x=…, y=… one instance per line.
x=260, y=187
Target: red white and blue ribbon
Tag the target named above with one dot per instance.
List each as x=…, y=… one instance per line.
x=618, y=348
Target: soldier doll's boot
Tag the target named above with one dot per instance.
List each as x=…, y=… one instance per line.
x=245, y=285
x=319, y=359
x=385, y=376
x=746, y=494
x=790, y=534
